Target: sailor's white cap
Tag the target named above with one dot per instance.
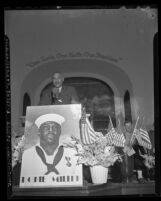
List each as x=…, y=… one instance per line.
x=49, y=117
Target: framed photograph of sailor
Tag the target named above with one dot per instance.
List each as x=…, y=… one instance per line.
x=45, y=161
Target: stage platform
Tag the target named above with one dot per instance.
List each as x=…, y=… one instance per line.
x=109, y=188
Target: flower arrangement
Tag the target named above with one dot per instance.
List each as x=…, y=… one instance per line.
x=98, y=153
x=18, y=143
x=149, y=160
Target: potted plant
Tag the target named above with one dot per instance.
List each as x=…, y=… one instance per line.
x=99, y=155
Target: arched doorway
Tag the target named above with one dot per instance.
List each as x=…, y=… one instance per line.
x=96, y=96
x=127, y=106
x=26, y=102
x=102, y=70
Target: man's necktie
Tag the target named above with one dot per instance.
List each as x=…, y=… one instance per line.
x=56, y=96
x=50, y=167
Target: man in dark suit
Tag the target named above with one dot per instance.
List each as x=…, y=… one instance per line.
x=58, y=94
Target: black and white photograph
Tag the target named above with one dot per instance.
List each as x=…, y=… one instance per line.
x=47, y=128
x=82, y=90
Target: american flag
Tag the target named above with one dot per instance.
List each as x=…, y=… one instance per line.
x=130, y=152
x=135, y=135
x=115, y=138
x=88, y=135
x=110, y=136
x=135, y=132
x=119, y=139
x=144, y=139
x=111, y=132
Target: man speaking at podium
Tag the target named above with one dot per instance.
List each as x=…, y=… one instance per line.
x=49, y=156
x=58, y=94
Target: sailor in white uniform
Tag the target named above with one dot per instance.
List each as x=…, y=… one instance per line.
x=48, y=157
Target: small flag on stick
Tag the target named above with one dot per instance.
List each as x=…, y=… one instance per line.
x=135, y=132
x=119, y=139
x=143, y=138
x=88, y=135
x=111, y=132
x=130, y=152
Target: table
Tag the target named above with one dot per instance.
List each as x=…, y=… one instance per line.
x=107, y=189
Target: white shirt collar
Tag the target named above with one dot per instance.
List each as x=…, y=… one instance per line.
x=48, y=156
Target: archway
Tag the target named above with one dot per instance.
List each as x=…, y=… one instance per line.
x=102, y=70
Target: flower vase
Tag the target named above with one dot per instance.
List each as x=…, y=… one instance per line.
x=99, y=174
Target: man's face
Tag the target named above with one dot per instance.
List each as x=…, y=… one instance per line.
x=128, y=127
x=57, y=79
x=50, y=132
